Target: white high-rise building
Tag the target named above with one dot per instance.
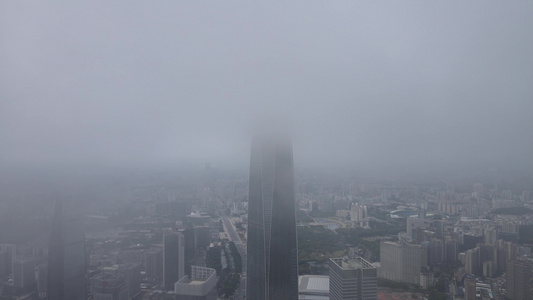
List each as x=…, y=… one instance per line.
x=358, y=214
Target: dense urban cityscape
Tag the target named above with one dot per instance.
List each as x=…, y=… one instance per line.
x=267, y=150
x=163, y=235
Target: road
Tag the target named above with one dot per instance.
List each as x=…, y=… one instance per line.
x=240, y=293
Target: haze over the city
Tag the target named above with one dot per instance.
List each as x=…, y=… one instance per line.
x=403, y=84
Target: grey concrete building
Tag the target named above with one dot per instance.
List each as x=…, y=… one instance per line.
x=352, y=279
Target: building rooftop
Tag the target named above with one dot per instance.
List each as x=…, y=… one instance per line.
x=352, y=264
x=313, y=286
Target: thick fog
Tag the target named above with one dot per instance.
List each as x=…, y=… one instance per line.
x=384, y=84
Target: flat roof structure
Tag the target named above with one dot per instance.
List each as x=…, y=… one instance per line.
x=314, y=287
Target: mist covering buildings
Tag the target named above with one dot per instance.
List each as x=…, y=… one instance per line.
x=272, y=244
x=410, y=123
x=399, y=87
x=66, y=254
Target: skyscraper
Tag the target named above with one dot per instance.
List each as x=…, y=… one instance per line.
x=66, y=255
x=272, y=247
x=173, y=258
x=352, y=279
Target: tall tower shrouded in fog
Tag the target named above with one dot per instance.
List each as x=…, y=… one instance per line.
x=272, y=258
x=173, y=258
x=66, y=255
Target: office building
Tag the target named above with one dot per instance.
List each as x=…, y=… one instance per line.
x=451, y=247
x=200, y=285
x=8, y=253
x=202, y=237
x=24, y=273
x=518, y=280
x=401, y=261
x=272, y=245
x=66, y=255
x=352, y=279
x=3, y=265
x=525, y=196
x=41, y=276
x=173, y=258
x=214, y=259
x=132, y=275
x=153, y=263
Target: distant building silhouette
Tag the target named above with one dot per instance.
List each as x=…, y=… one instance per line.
x=153, y=263
x=41, y=275
x=173, y=258
x=66, y=256
x=8, y=254
x=132, y=274
x=24, y=273
x=272, y=246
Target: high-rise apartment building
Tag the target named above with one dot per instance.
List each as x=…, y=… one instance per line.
x=518, y=280
x=352, y=279
x=359, y=215
x=470, y=288
x=272, y=246
x=472, y=261
x=173, y=258
x=66, y=255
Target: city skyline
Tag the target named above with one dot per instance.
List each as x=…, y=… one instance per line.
x=243, y=150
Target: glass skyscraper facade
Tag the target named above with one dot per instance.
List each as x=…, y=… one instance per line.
x=272, y=259
x=66, y=255
x=352, y=279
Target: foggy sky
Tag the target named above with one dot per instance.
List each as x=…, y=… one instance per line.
x=408, y=84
